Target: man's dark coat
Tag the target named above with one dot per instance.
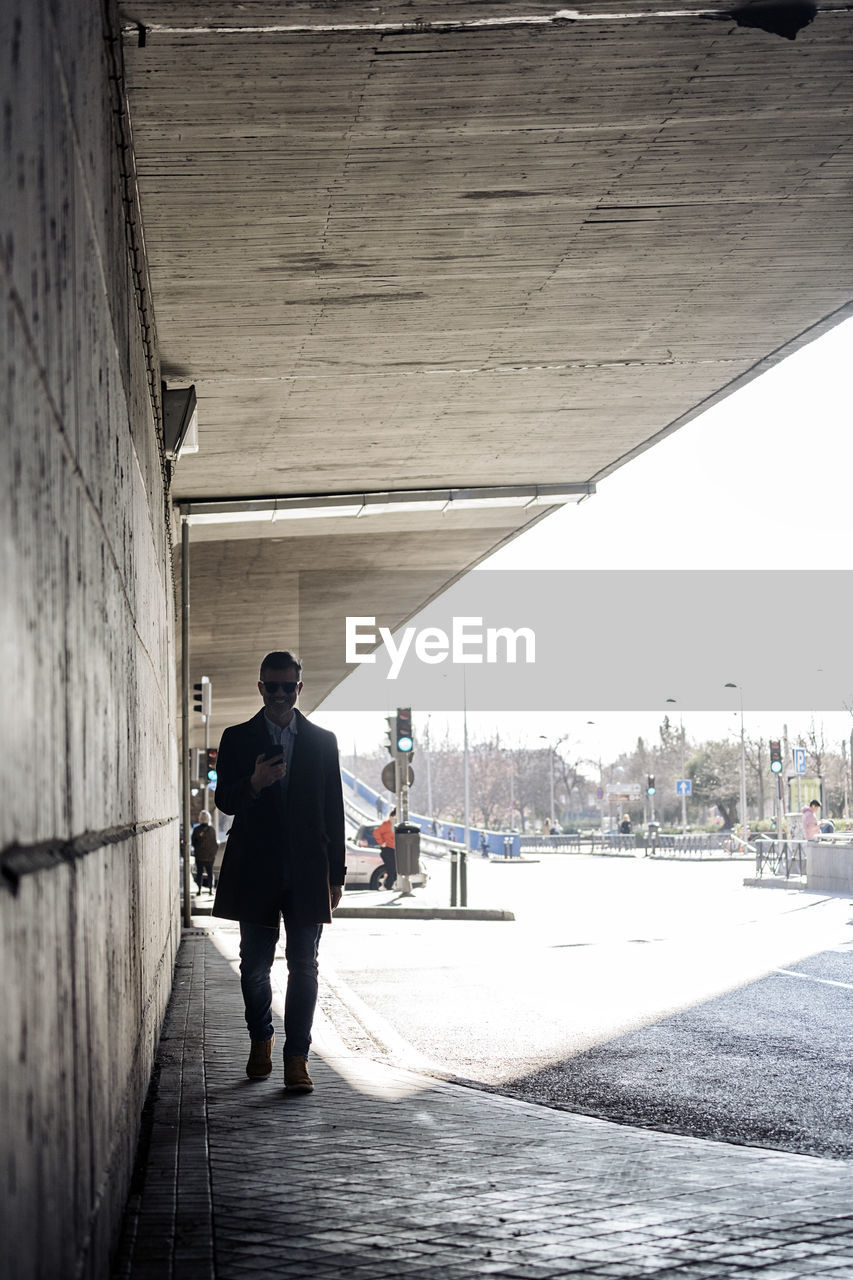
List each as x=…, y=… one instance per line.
x=293, y=841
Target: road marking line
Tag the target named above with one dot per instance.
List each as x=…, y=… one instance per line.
x=807, y=977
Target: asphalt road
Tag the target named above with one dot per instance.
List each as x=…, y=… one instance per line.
x=768, y=1065
x=663, y=995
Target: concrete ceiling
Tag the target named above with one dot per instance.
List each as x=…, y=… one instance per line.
x=461, y=244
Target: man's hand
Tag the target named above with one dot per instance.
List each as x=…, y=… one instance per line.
x=266, y=773
x=336, y=892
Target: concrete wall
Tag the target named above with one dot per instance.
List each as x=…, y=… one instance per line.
x=829, y=868
x=88, y=830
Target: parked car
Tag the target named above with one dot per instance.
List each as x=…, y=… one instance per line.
x=365, y=869
x=364, y=837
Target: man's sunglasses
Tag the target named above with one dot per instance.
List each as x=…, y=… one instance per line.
x=286, y=686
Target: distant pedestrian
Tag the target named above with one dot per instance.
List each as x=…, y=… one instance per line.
x=484, y=845
x=380, y=808
x=625, y=825
x=811, y=828
x=385, y=838
x=205, y=845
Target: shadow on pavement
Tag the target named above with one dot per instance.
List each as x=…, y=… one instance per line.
x=766, y=1065
x=382, y=1173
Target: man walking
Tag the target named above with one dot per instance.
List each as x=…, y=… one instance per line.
x=278, y=774
x=385, y=838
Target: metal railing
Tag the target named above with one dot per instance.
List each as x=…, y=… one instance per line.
x=702, y=844
x=570, y=842
x=780, y=858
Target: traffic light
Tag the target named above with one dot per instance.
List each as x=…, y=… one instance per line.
x=403, y=739
x=211, y=764
x=775, y=757
x=203, y=696
x=389, y=735
x=650, y=784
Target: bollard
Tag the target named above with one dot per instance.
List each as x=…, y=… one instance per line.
x=453, y=873
x=463, y=877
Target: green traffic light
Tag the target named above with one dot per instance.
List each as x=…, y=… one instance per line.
x=405, y=743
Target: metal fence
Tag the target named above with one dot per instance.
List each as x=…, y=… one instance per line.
x=780, y=858
x=710, y=844
x=703, y=844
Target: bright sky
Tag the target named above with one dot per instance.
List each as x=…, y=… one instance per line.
x=761, y=481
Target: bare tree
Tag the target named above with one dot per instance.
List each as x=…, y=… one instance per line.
x=488, y=783
x=715, y=772
x=754, y=750
x=497, y=773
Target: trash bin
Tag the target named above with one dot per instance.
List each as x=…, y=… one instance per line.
x=407, y=842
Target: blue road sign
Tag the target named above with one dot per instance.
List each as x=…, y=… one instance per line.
x=683, y=787
x=799, y=755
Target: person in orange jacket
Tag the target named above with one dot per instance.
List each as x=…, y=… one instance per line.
x=384, y=836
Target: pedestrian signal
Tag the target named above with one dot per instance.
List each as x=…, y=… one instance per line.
x=212, y=753
x=775, y=757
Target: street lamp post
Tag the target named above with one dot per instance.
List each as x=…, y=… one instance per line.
x=511, y=788
x=428, y=776
x=683, y=796
x=731, y=685
x=592, y=723
x=550, y=771
x=465, y=757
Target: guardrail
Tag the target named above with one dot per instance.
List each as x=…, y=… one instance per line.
x=357, y=815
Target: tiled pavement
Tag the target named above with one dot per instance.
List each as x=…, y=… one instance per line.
x=383, y=1174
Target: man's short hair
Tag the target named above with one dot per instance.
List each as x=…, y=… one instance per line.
x=278, y=660
x=812, y=803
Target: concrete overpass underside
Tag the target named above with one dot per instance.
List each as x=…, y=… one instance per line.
x=462, y=244
x=437, y=247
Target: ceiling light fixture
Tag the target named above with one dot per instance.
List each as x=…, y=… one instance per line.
x=180, y=421
x=362, y=505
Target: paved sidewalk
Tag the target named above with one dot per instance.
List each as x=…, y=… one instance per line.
x=382, y=1173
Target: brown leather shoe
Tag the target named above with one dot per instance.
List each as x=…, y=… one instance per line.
x=296, y=1077
x=259, y=1065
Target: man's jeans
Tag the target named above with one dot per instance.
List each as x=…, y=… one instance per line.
x=257, y=952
